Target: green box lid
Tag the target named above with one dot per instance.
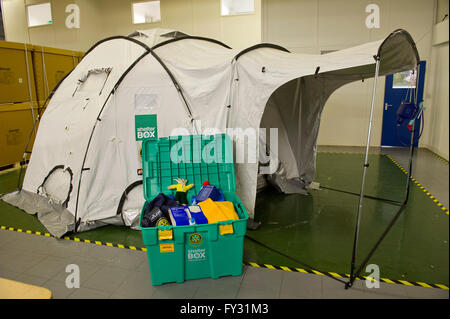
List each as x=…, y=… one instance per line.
x=196, y=158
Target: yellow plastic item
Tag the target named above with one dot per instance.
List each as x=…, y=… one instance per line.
x=226, y=229
x=218, y=211
x=166, y=248
x=11, y=289
x=181, y=187
x=228, y=210
x=165, y=234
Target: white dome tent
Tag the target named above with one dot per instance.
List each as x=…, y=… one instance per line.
x=85, y=157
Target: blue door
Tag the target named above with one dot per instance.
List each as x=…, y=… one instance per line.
x=398, y=88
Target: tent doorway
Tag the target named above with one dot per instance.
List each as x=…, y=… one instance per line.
x=57, y=185
x=293, y=113
x=276, y=155
x=397, y=88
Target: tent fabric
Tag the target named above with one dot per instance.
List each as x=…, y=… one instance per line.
x=194, y=85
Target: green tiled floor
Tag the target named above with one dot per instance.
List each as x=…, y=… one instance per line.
x=318, y=229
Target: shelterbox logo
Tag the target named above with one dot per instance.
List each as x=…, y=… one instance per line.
x=146, y=127
x=196, y=254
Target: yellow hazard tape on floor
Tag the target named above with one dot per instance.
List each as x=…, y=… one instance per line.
x=443, y=160
x=283, y=268
x=14, y=167
x=338, y=275
x=421, y=187
x=251, y=264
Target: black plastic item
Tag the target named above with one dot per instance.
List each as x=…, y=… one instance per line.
x=155, y=218
x=252, y=224
x=124, y=195
x=162, y=201
x=157, y=209
x=407, y=111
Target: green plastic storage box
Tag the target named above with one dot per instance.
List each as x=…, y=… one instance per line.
x=179, y=253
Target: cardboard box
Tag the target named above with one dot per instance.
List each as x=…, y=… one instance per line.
x=13, y=73
x=16, y=124
x=50, y=65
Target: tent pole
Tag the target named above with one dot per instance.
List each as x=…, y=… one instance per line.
x=392, y=222
x=366, y=164
x=356, y=274
x=411, y=146
x=38, y=118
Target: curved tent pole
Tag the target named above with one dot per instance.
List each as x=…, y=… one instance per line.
x=186, y=37
x=408, y=38
x=114, y=38
x=174, y=81
x=230, y=91
x=354, y=274
x=76, y=223
x=38, y=118
x=259, y=46
x=51, y=95
x=234, y=69
x=123, y=198
x=190, y=37
x=148, y=50
x=93, y=129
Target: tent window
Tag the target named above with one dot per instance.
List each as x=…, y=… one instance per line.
x=145, y=102
x=404, y=80
x=232, y=7
x=146, y=12
x=174, y=34
x=87, y=76
x=39, y=14
x=327, y=51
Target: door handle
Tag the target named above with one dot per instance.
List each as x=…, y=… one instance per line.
x=386, y=106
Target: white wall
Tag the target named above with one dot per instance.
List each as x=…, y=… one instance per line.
x=308, y=26
x=13, y=20
x=103, y=18
x=56, y=34
x=196, y=17
x=441, y=10
x=435, y=136
x=312, y=26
